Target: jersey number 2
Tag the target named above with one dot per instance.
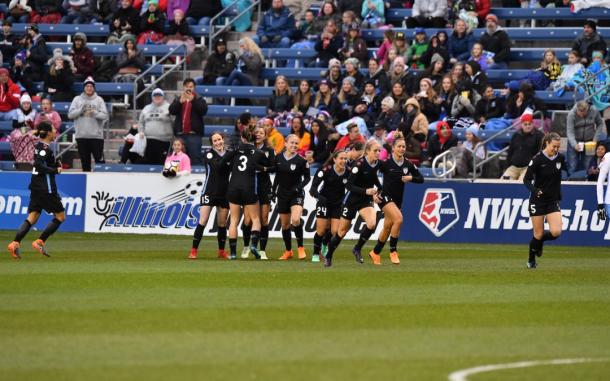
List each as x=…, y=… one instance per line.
x=244, y=163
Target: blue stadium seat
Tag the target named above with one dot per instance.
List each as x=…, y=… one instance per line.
x=63, y=107
x=136, y=168
x=6, y=127
x=92, y=30
x=7, y=165
x=113, y=50
x=220, y=111
x=398, y=14
x=102, y=88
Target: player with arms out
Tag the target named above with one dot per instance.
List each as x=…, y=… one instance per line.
x=603, y=202
x=362, y=187
x=214, y=194
x=291, y=177
x=332, y=178
x=242, y=191
x=43, y=193
x=543, y=180
x=397, y=171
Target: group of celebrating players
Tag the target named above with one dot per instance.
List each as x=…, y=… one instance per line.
x=346, y=185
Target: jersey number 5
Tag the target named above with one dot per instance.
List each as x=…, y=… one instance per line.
x=243, y=163
x=532, y=209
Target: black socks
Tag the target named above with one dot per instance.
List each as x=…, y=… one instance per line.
x=246, y=231
x=378, y=247
x=287, y=239
x=317, y=244
x=264, y=237
x=23, y=230
x=298, y=234
x=197, y=236
x=393, y=243
x=233, y=246
x=364, y=236
x=333, y=244
x=50, y=229
x=222, y=237
x=547, y=236
x=255, y=236
x=535, y=247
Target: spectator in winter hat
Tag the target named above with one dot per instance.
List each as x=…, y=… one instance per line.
x=354, y=46
x=276, y=27
x=82, y=56
x=19, y=73
x=173, y=5
x=8, y=40
x=588, y=42
x=77, y=12
x=428, y=14
x=37, y=55
x=524, y=144
x=59, y=79
x=496, y=41
x=155, y=124
x=89, y=112
x=10, y=94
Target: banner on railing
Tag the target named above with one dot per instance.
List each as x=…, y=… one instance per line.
x=145, y=203
x=495, y=212
x=15, y=197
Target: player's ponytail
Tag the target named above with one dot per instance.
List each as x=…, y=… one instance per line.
x=397, y=137
x=549, y=138
x=247, y=133
x=331, y=158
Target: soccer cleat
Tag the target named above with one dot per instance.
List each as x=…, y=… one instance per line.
x=324, y=250
x=357, y=255
x=14, y=249
x=233, y=257
x=375, y=257
x=328, y=260
x=394, y=258
x=245, y=253
x=287, y=255
x=315, y=258
x=531, y=265
x=222, y=254
x=193, y=254
x=254, y=252
x=539, y=253
x=40, y=247
x=263, y=255
x=302, y=254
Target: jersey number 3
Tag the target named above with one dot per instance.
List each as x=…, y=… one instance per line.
x=243, y=163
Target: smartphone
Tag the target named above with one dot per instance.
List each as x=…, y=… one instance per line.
x=465, y=94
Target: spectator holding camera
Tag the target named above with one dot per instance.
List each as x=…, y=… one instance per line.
x=189, y=109
x=219, y=64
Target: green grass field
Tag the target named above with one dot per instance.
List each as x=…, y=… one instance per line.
x=118, y=307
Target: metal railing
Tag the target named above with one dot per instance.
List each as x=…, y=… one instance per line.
x=476, y=164
x=58, y=142
x=215, y=33
x=179, y=63
x=590, y=81
x=449, y=164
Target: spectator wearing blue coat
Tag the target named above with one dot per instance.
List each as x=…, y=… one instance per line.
x=276, y=27
x=460, y=42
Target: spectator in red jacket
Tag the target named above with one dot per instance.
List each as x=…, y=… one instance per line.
x=10, y=94
x=82, y=56
x=353, y=136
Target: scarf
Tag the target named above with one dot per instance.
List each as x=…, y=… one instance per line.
x=186, y=117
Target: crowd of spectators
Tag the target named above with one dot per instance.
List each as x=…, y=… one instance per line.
x=424, y=88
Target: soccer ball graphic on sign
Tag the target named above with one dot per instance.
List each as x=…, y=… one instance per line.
x=439, y=210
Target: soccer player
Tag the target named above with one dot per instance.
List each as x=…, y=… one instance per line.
x=333, y=178
x=43, y=193
x=543, y=180
x=603, y=203
x=362, y=187
x=291, y=177
x=214, y=194
x=244, y=162
x=264, y=192
x=397, y=171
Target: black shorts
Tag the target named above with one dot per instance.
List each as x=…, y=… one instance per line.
x=242, y=197
x=543, y=208
x=328, y=211
x=40, y=200
x=386, y=199
x=351, y=207
x=210, y=200
x=284, y=204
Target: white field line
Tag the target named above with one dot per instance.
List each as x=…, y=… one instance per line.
x=462, y=375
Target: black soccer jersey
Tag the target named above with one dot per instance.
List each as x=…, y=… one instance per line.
x=362, y=176
x=544, y=174
x=244, y=162
x=291, y=176
x=45, y=169
x=217, y=175
x=333, y=185
x=392, y=177
x=264, y=180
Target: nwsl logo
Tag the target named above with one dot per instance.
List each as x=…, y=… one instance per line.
x=439, y=211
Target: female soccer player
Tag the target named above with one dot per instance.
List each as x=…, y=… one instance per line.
x=43, y=193
x=291, y=177
x=214, y=194
x=264, y=192
x=244, y=162
x=333, y=178
x=543, y=180
x=362, y=186
x=603, y=203
x=397, y=171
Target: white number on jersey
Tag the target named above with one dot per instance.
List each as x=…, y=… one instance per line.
x=244, y=162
